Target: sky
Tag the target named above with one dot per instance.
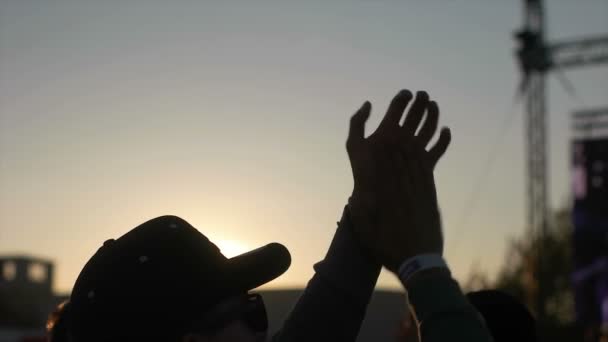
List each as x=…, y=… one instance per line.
x=233, y=115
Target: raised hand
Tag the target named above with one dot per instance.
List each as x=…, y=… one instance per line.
x=394, y=202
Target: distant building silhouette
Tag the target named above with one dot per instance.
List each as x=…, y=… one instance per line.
x=27, y=298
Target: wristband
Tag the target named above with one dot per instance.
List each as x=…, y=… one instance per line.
x=419, y=263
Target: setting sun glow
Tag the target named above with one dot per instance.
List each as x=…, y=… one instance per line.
x=231, y=248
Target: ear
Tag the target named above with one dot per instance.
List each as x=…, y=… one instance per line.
x=190, y=337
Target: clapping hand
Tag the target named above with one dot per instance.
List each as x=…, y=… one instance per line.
x=394, y=202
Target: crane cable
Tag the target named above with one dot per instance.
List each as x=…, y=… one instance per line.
x=486, y=169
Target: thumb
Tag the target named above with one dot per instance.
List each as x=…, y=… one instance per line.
x=356, y=132
x=437, y=151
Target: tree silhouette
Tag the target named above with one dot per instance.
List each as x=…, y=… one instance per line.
x=521, y=267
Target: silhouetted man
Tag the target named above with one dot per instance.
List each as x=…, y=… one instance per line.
x=165, y=281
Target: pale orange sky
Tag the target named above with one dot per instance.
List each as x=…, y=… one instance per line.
x=234, y=117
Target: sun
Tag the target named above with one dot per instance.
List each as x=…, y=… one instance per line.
x=231, y=248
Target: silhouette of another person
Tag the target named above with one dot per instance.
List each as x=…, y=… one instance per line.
x=506, y=318
x=56, y=325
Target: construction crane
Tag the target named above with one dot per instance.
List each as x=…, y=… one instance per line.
x=536, y=58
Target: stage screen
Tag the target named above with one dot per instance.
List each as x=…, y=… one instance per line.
x=590, y=210
x=590, y=176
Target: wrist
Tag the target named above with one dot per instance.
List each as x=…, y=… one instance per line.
x=354, y=225
x=346, y=265
x=422, y=276
x=420, y=266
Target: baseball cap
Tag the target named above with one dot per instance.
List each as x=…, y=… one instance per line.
x=153, y=281
x=505, y=317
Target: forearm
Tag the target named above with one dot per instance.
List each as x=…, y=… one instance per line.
x=443, y=311
x=334, y=302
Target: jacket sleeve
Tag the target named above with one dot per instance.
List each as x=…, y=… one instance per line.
x=333, y=305
x=443, y=312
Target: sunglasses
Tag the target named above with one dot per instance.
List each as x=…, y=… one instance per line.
x=249, y=309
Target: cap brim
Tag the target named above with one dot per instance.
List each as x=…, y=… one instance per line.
x=257, y=267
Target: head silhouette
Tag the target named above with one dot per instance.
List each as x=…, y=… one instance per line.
x=165, y=281
x=506, y=318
